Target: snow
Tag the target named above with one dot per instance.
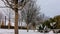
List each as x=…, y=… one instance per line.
x=11, y=31
x=51, y=32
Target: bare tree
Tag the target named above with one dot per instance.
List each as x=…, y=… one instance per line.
x=30, y=12
x=9, y=24
x=15, y=5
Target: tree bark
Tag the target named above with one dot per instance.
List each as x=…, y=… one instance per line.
x=16, y=23
x=16, y=17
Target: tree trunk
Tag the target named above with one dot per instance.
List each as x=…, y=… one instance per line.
x=34, y=28
x=5, y=20
x=2, y=24
x=21, y=25
x=16, y=23
x=9, y=24
x=27, y=27
x=16, y=16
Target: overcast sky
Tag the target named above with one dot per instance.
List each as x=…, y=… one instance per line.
x=50, y=8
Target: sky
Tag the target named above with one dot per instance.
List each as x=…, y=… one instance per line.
x=50, y=8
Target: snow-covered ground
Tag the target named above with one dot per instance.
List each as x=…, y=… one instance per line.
x=11, y=31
